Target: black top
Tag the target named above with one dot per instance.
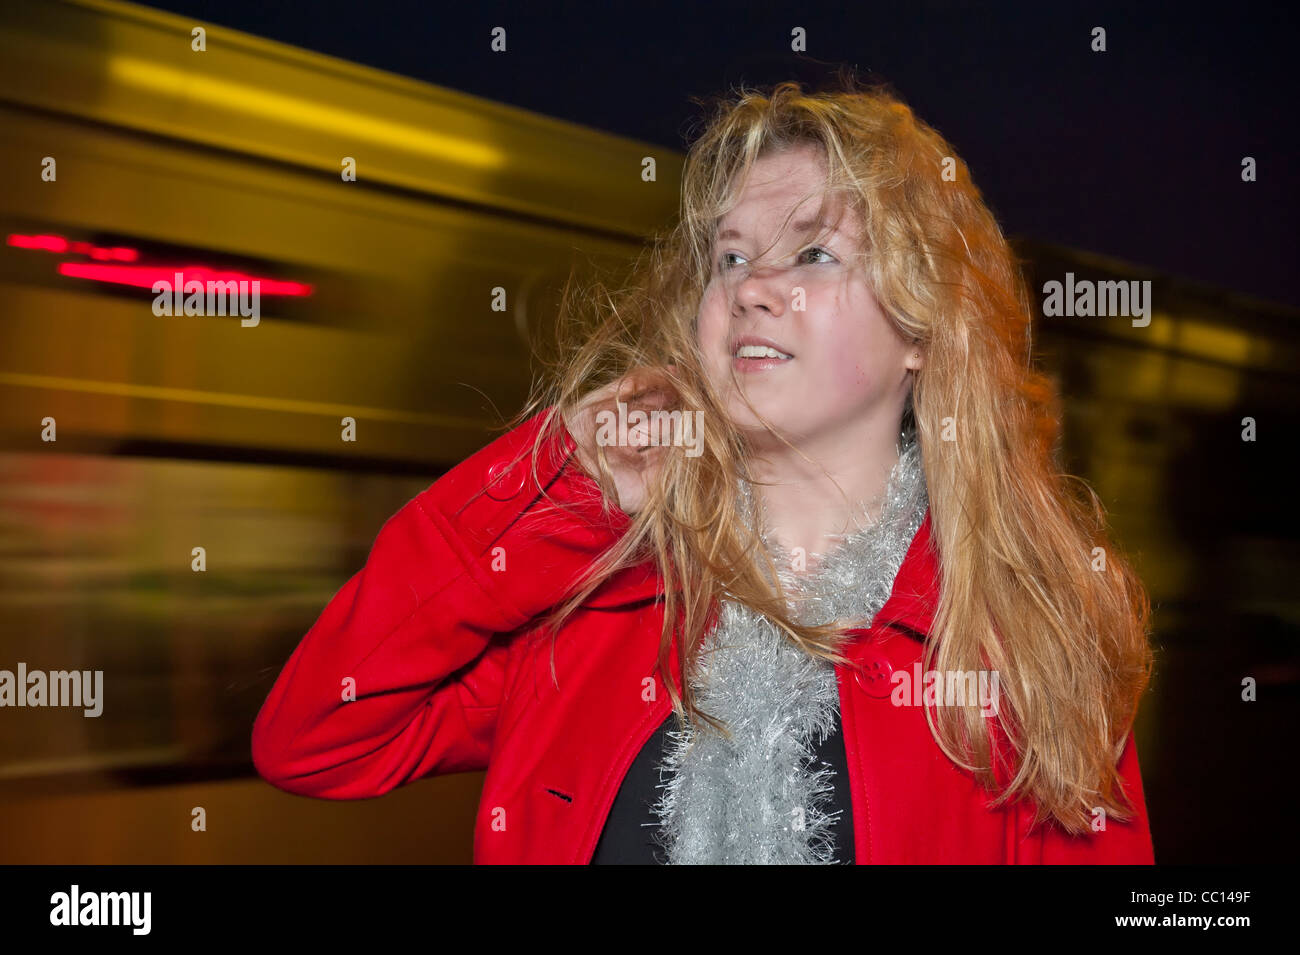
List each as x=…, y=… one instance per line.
x=628, y=836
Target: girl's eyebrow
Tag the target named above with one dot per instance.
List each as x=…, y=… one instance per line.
x=800, y=227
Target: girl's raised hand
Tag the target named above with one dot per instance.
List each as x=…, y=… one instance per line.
x=634, y=464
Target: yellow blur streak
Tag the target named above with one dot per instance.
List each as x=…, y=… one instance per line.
x=226, y=94
x=228, y=400
x=1215, y=342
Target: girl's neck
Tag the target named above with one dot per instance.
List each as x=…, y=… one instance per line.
x=809, y=505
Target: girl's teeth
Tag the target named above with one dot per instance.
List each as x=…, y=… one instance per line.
x=759, y=351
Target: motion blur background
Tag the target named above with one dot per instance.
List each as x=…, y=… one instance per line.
x=479, y=170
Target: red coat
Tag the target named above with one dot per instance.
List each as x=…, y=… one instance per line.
x=451, y=673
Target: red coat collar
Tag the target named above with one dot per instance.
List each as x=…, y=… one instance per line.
x=911, y=603
x=915, y=597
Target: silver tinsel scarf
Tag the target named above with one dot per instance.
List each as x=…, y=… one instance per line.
x=757, y=798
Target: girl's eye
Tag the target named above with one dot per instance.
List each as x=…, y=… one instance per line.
x=725, y=263
x=818, y=251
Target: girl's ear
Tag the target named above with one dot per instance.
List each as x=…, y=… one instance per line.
x=914, y=361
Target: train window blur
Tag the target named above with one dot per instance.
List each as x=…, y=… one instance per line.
x=183, y=431
x=90, y=567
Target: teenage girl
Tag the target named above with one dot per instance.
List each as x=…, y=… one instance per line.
x=778, y=567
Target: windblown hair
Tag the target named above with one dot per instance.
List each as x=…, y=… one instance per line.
x=1022, y=591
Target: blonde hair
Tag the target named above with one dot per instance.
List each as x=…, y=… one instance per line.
x=1015, y=538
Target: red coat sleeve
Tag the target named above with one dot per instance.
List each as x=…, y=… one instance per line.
x=417, y=630
x=1120, y=843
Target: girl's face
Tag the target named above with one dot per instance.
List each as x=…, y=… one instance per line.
x=841, y=366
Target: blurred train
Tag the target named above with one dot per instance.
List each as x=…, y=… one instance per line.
x=405, y=301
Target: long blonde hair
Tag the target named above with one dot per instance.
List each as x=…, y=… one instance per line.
x=1022, y=591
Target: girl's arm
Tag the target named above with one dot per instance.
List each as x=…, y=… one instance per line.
x=400, y=676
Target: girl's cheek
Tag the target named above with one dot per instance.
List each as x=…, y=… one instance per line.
x=854, y=377
x=851, y=368
x=710, y=330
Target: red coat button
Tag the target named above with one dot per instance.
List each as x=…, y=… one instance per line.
x=506, y=480
x=876, y=676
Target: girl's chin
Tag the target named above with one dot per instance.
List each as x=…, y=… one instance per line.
x=745, y=420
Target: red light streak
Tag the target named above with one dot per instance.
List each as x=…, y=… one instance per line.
x=145, y=276
x=141, y=276
x=49, y=243
x=57, y=243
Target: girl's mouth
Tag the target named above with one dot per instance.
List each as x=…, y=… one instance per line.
x=758, y=358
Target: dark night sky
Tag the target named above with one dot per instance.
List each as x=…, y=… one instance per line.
x=1134, y=153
